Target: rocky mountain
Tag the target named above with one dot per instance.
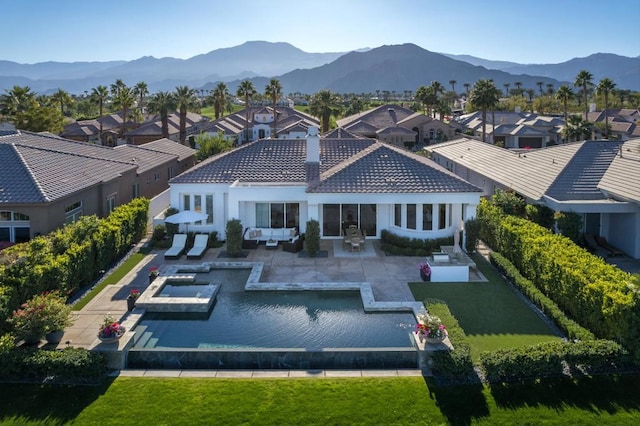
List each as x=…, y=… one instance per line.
x=624, y=71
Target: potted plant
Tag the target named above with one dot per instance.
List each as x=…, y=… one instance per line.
x=430, y=328
x=110, y=329
x=153, y=273
x=425, y=271
x=131, y=299
x=44, y=315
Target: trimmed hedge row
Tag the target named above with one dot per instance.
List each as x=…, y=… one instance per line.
x=597, y=295
x=70, y=257
x=405, y=246
x=70, y=365
x=552, y=359
x=456, y=363
x=546, y=305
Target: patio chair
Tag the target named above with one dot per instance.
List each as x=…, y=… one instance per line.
x=250, y=239
x=602, y=241
x=177, y=247
x=200, y=246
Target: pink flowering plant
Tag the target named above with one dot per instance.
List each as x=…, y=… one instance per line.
x=425, y=269
x=430, y=326
x=134, y=294
x=110, y=328
x=41, y=314
x=153, y=271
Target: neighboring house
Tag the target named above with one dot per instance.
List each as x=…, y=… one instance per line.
x=152, y=129
x=598, y=179
x=514, y=129
x=47, y=181
x=273, y=184
x=623, y=123
x=292, y=124
x=397, y=125
x=89, y=130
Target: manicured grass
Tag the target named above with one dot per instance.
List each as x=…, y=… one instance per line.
x=113, y=278
x=490, y=313
x=375, y=401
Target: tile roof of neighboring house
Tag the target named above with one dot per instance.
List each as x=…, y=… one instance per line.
x=154, y=128
x=346, y=165
x=564, y=172
x=286, y=117
x=380, y=117
x=622, y=178
x=39, y=168
x=167, y=146
x=340, y=133
x=395, y=130
x=361, y=127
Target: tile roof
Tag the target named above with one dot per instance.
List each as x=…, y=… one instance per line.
x=380, y=117
x=346, y=165
x=39, y=168
x=286, y=117
x=622, y=178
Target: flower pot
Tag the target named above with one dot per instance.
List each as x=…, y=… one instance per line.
x=424, y=276
x=436, y=340
x=131, y=303
x=111, y=339
x=152, y=277
x=32, y=339
x=54, y=337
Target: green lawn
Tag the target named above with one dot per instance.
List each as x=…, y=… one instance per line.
x=490, y=313
x=375, y=401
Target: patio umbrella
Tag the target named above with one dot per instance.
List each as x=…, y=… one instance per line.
x=186, y=217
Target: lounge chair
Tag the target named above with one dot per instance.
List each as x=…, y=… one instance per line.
x=200, y=246
x=602, y=242
x=594, y=246
x=177, y=247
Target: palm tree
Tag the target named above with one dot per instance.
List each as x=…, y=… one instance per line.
x=62, y=98
x=141, y=90
x=605, y=87
x=453, y=85
x=16, y=100
x=161, y=103
x=584, y=79
x=324, y=104
x=564, y=94
x=220, y=94
x=117, y=87
x=576, y=128
x=466, y=88
x=274, y=91
x=549, y=89
x=100, y=95
x=246, y=91
x=484, y=95
x=185, y=100
x=540, y=83
x=506, y=89
x=124, y=100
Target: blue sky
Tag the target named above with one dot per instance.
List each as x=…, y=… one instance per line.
x=541, y=31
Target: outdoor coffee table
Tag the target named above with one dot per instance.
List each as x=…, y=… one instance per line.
x=272, y=244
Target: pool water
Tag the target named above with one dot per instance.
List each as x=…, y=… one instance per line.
x=275, y=319
x=182, y=290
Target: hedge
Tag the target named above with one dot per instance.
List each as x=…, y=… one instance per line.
x=545, y=304
x=69, y=258
x=553, y=359
x=405, y=246
x=456, y=363
x=70, y=365
x=597, y=295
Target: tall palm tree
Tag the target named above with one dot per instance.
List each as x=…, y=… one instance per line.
x=506, y=89
x=324, y=104
x=576, y=128
x=16, y=100
x=484, y=95
x=141, y=90
x=117, y=87
x=246, y=91
x=466, y=87
x=273, y=90
x=584, y=79
x=161, y=103
x=62, y=98
x=453, y=85
x=124, y=100
x=550, y=89
x=185, y=100
x=605, y=87
x=220, y=94
x=540, y=83
x=564, y=94
x=100, y=95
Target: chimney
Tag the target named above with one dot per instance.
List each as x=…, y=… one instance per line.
x=312, y=165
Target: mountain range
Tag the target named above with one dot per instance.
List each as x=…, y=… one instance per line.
x=394, y=68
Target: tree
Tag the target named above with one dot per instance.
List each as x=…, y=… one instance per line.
x=100, y=95
x=234, y=238
x=466, y=87
x=564, y=94
x=324, y=104
x=355, y=106
x=484, y=95
x=584, y=79
x=453, y=85
x=605, y=87
x=161, y=103
x=436, y=89
x=117, y=87
x=219, y=95
x=16, y=100
x=62, y=98
x=141, y=90
x=506, y=89
x=124, y=100
x=539, y=84
x=273, y=90
x=576, y=128
x=185, y=100
x=209, y=145
x=38, y=118
x=246, y=91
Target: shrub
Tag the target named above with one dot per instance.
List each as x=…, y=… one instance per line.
x=456, y=363
x=234, y=238
x=404, y=246
x=509, y=202
x=472, y=231
x=542, y=215
x=570, y=225
x=312, y=238
x=213, y=240
x=40, y=315
x=172, y=228
x=159, y=233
